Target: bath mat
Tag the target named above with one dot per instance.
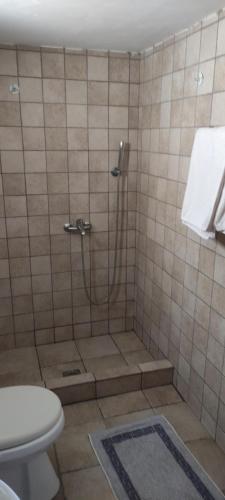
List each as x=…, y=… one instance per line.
x=148, y=461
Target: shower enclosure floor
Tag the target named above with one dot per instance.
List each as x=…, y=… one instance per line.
x=35, y=365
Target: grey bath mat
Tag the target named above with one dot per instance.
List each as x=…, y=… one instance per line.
x=148, y=461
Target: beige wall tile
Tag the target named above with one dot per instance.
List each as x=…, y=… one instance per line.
x=118, y=69
x=13, y=184
x=55, y=138
x=54, y=90
x=35, y=161
x=8, y=62
x=98, y=93
x=29, y=63
x=36, y=183
x=37, y=205
x=15, y=206
x=76, y=115
x=9, y=114
x=98, y=139
x=98, y=116
x=179, y=54
x=76, y=92
x=57, y=183
x=32, y=115
x=52, y=65
x=97, y=68
x=55, y=115
x=208, y=42
x=78, y=183
x=221, y=38
x=33, y=138
x=75, y=66
x=118, y=94
x=193, y=48
x=56, y=161
x=118, y=117
x=10, y=138
x=30, y=89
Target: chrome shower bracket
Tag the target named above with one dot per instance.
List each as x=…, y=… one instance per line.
x=116, y=171
x=80, y=227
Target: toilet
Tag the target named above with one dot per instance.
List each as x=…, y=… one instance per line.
x=31, y=419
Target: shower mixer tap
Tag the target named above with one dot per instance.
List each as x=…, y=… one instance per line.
x=80, y=226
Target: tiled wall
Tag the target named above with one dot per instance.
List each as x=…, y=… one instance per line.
x=180, y=281
x=59, y=138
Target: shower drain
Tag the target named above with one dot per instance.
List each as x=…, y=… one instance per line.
x=69, y=373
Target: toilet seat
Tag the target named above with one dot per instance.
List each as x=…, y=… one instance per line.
x=31, y=419
x=27, y=413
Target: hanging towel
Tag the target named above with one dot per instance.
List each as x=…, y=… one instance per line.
x=204, y=198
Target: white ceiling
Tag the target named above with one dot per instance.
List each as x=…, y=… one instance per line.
x=98, y=24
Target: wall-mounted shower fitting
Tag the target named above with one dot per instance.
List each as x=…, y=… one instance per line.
x=14, y=88
x=118, y=170
x=80, y=226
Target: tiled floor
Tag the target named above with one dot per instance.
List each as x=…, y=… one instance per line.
x=77, y=466
x=93, y=354
x=73, y=457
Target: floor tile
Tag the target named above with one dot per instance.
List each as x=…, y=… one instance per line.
x=97, y=365
x=94, y=347
x=122, y=404
x=183, y=420
x=128, y=341
x=80, y=413
x=162, y=395
x=73, y=447
x=17, y=360
x=56, y=371
x=136, y=357
x=211, y=458
x=26, y=377
x=128, y=418
x=19, y=366
x=87, y=484
x=56, y=354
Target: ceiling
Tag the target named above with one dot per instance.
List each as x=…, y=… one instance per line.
x=98, y=24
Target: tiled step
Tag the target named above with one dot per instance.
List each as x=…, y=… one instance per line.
x=110, y=382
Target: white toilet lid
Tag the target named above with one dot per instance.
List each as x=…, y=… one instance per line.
x=26, y=413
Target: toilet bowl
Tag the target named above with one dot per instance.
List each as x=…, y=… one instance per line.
x=31, y=419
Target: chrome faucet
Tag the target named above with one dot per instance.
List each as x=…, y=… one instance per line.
x=80, y=226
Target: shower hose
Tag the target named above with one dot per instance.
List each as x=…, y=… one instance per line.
x=115, y=260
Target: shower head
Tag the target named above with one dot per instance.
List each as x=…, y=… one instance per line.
x=117, y=170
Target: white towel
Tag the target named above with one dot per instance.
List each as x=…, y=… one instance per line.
x=204, y=199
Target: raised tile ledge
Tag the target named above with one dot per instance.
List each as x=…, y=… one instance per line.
x=73, y=389
x=155, y=373
x=118, y=381
x=111, y=382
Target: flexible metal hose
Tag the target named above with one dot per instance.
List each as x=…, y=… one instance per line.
x=116, y=251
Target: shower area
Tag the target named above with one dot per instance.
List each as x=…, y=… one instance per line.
x=68, y=214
